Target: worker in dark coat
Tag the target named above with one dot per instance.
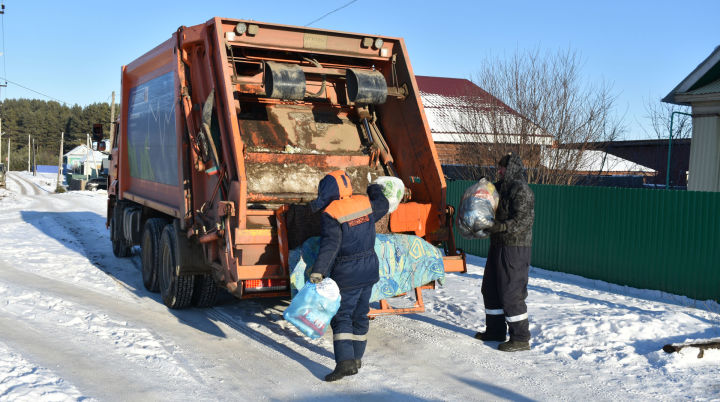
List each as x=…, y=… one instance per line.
x=347, y=255
x=504, y=286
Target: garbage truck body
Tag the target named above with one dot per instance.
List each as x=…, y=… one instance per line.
x=225, y=130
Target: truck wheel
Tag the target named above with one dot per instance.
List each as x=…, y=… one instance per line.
x=206, y=291
x=120, y=248
x=150, y=253
x=176, y=290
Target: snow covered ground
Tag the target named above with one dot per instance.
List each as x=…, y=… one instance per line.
x=77, y=324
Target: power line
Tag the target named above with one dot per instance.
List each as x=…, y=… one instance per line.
x=32, y=90
x=326, y=14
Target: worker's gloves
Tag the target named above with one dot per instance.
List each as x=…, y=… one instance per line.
x=316, y=277
x=497, y=227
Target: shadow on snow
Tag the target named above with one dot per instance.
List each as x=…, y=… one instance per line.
x=84, y=233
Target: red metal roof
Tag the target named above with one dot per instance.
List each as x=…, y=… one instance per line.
x=473, y=96
x=449, y=86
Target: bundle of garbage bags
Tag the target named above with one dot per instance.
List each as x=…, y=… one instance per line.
x=477, y=210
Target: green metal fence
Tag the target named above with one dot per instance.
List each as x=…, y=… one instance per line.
x=650, y=239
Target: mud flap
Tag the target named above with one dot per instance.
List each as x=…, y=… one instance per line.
x=189, y=254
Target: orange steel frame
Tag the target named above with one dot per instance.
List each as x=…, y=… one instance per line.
x=199, y=61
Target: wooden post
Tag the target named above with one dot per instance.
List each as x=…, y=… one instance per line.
x=9, y=140
x=29, y=148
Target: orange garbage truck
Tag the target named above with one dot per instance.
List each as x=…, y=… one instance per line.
x=225, y=131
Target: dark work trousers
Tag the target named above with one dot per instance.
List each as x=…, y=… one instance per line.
x=351, y=323
x=504, y=290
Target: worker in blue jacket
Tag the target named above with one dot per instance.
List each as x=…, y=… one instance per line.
x=347, y=255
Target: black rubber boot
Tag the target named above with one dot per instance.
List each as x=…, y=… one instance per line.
x=358, y=363
x=343, y=368
x=514, y=346
x=487, y=337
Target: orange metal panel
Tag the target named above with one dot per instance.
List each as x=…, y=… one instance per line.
x=414, y=217
x=256, y=295
x=245, y=272
x=255, y=236
x=261, y=212
x=158, y=61
x=411, y=141
x=310, y=40
x=164, y=208
x=224, y=97
x=455, y=263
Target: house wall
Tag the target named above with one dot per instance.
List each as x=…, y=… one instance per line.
x=653, y=154
x=705, y=153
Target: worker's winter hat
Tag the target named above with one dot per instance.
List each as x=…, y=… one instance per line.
x=334, y=186
x=505, y=159
x=513, y=166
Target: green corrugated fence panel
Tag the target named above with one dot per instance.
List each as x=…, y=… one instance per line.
x=645, y=238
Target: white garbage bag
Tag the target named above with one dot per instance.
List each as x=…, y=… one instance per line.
x=393, y=189
x=477, y=210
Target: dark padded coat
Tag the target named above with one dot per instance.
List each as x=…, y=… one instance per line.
x=347, y=248
x=516, y=209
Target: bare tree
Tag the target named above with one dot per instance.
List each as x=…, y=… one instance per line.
x=541, y=109
x=658, y=118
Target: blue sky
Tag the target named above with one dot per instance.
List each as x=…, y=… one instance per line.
x=72, y=51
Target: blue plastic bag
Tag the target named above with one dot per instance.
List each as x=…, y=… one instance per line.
x=313, y=307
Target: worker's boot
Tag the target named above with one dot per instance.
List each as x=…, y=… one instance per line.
x=358, y=363
x=343, y=368
x=488, y=336
x=514, y=346
x=495, y=329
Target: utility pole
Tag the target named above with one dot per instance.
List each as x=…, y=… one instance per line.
x=29, y=153
x=60, y=154
x=112, y=121
x=0, y=140
x=3, y=85
x=9, y=140
x=34, y=152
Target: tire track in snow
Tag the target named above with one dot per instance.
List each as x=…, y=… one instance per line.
x=16, y=183
x=82, y=320
x=27, y=186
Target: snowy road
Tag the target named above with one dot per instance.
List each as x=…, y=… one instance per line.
x=76, y=323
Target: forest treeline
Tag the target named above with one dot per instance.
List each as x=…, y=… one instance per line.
x=44, y=121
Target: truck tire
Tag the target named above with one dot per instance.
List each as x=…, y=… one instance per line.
x=206, y=291
x=176, y=290
x=150, y=253
x=120, y=247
